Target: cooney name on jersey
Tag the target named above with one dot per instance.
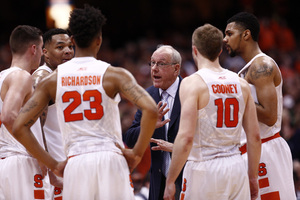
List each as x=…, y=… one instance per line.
x=224, y=88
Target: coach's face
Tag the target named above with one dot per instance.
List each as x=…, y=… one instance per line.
x=163, y=70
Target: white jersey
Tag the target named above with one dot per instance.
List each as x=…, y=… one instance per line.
x=220, y=122
x=265, y=130
x=9, y=146
x=88, y=118
x=51, y=128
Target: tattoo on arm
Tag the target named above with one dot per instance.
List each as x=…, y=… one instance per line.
x=44, y=116
x=29, y=123
x=132, y=90
x=261, y=71
x=30, y=105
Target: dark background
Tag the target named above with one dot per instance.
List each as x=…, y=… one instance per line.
x=132, y=19
x=135, y=27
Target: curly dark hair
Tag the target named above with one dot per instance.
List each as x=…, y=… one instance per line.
x=85, y=24
x=247, y=21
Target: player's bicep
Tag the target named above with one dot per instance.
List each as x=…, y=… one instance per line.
x=33, y=108
x=134, y=92
x=261, y=76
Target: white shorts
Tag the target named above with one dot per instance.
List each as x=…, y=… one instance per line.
x=56, y=193
x=218, y=179
x=275, y=176
x=20, y=178
x=99, y=176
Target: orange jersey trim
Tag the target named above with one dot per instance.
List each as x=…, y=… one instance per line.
x=243, y=148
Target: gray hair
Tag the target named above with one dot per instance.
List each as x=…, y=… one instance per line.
x=176, y=57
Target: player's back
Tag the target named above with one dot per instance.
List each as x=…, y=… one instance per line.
x=88, y=118
x=9, y=146
x=219, y=123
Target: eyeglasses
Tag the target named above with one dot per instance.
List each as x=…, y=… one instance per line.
x=160, y=64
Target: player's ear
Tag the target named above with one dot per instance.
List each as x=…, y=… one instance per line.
x=194, y=49
x=33, y=49
x=72, y=39
x=99, y=40
x=45, y=51
x=247, y=34
x=220, y=52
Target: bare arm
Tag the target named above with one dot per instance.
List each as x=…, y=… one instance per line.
x=37, y=77
x=31, y=111
x=261, y=75
x=120, y=80
x=16, y=90
x=250, y=125
x=184, y=139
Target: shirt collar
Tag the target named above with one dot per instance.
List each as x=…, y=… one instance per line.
x=172, y=89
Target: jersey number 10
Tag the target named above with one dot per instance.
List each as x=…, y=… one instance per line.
x=227, y=113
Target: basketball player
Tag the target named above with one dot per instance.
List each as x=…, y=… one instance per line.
x=58, y=49
x=86, y=92
x=21, y=176
x=263, y=75
x=215, y=103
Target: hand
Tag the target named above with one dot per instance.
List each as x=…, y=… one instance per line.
x=55, y=180
x=131, y=159
x=59, y=168
x=43, y=169
x=161, y=145
x=253, y=188
x=170, y=190
x=161, y=113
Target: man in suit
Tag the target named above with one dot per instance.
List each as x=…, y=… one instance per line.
x=165, y=68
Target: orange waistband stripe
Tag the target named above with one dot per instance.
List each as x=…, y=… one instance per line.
x=243, y=148
x=72, y=156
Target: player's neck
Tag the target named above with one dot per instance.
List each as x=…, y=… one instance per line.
x=205, y=63
x=250, y=52
x=22, y=63
x=86, y=52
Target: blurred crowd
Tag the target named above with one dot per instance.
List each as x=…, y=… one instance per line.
x=276, y=39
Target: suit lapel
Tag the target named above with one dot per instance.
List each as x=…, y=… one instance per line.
x=155, y=94
x=176, y=107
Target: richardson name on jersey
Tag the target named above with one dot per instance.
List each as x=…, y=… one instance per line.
x=80, y=80
x=224, y=88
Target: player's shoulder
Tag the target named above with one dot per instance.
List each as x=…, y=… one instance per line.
x=49, y=81
x=263, y=64
x=19, y=76
x=193, y=82
x=118, y=73
x=40, y=73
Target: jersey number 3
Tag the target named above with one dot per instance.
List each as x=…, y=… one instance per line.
x=95, y=99
x=227, y=113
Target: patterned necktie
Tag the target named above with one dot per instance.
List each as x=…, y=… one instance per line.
x=164, y=97
x=166, y=155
